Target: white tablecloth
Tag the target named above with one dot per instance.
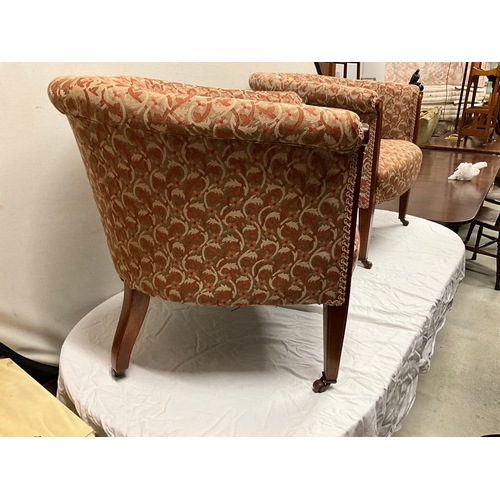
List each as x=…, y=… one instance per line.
x=248, y=371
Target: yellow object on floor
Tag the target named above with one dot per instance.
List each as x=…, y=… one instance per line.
x=427, y=124
x=27, y=409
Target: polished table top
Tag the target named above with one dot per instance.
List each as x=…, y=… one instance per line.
x=450, y=202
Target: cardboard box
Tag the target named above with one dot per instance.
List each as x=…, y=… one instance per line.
x=28, y=409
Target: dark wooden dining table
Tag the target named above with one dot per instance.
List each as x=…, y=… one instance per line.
x=449, y=202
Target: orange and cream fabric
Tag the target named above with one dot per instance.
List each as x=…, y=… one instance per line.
x=218, y=197
x=392, y=159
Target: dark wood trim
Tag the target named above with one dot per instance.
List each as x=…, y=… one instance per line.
x=417, y=118
x=334, y=325
x=366, y=214
x=335, y=317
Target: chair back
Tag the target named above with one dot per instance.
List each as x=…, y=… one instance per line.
x=401, y=101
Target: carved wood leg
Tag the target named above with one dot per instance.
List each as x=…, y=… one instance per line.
x=365, y=231
x=403, y=207
x=334, y=325
x=134, y=309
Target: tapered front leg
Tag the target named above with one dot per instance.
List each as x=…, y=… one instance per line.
x=134, y=309
x=365, y=231
x=403, y=207
x=334, y=325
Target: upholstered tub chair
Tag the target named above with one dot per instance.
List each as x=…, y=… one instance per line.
x=392, y=158
x=218, y=197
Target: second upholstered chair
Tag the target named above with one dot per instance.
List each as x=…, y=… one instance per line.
x=217, y=197
x=392, y=158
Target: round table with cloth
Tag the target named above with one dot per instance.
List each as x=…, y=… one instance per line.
x=206, y=371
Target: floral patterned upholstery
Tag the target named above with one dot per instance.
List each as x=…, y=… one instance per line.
x=220, y=197
x=397, y=163
x=217, y=196
x=398, y=168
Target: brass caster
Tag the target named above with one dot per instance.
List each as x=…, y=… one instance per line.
x=366, y=263
x=116, y=374
x=321, y=385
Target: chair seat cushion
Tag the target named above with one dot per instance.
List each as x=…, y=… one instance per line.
x=398, y=168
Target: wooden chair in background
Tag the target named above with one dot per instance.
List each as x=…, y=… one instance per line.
x=330, y=68
x=392, y=159
x=487, y=218
x=480, y=121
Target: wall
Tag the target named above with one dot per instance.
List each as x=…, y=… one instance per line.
x=373, y=70
x=54, y=262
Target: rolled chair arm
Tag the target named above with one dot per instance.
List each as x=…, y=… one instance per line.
x=287, y=97
x=401, y=101
x=318, y=90
x=212, y=117
x=168, y=87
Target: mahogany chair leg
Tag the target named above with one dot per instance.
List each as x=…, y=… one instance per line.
x=469, y=232
x=478, y=240
x=365, y=231
x=134, y=309
x=497, y=283
x=403, y=207
x=334, y=325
